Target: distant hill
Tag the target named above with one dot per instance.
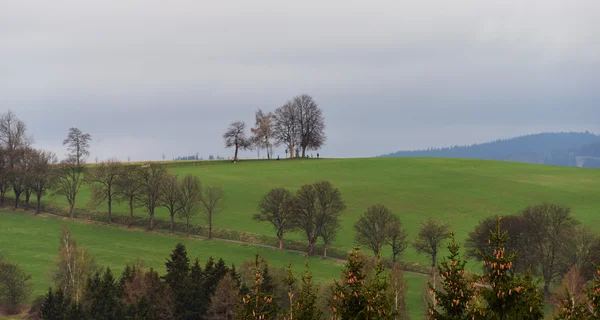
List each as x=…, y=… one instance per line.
x=580, y=149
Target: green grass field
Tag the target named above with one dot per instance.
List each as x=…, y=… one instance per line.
x=461, y=192
x=32, y=241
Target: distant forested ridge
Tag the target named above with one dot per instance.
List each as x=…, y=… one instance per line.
x=580, y=149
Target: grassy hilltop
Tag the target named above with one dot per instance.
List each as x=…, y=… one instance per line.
x=458, y=191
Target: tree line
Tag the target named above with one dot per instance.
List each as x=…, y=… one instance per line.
x=299, y=125
x=30, y=172
x=365, y=290
x=82, y=289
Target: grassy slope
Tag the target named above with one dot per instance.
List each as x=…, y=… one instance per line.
x=33, y=242
x=461, y=192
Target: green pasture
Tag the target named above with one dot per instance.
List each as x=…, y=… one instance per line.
x=33, y=242
x=460, y=192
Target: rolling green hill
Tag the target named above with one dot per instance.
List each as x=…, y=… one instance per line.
x=458, y=191
x=33, y=242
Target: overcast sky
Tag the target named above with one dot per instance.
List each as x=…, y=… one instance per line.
x=145, y=77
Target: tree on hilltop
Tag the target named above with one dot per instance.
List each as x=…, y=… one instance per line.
x=236, y=137
x=311, y=125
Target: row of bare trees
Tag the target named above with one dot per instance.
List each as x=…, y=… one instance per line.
x=298, y=125
x=26, y=171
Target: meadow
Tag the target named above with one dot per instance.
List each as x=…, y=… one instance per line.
x=33, y=242
x=460, y=192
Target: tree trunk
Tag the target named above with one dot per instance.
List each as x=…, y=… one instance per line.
x=172, y=222
x=303, y=151
x=236, y=153
x=311, y=248
x=188, y=225
x=547, y=289
x=109, y=206
x=71, y=206
x=27, y=197
x=152, y=219
x=39, y=204
x=281, y=241
x=325, y=251
x=291, y=151
x=210, y=226
x=2, y=192
x=130, y=212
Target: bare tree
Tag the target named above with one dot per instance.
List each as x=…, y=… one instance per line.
x=550, y=229
x=318, y=207
x=15, y=143
x=78, y=145
x=397, y=239
x=13, y=134
x=4, y=176
x=285, y=128
x=328, y=232
x=262, y=133
x=236, y=137
x=430, y=237
x=223, y=301
x=19, y=171
x=129, y=187
x=211, y=199
x=74, y=267
x=42, y=175
x=69, y=177
x=276, y=207
x=103, y=178
x=373, y=228
x=151, y=178
x=190, y=199
x=399, y=289
x=170, y=196
x=311, y=125
x=70, y=174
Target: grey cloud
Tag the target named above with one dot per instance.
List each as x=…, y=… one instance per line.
x=147, y=76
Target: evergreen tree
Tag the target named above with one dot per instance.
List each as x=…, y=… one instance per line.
x=289, y=281
x=197, y=305
x=178, y=273
x=593, y=297
x=102, y=300
x=54, y=305
x=452, y=300
x=306, y=308
x=349, y=299
x=379, y=300
x=256, y=304
x=505, y=296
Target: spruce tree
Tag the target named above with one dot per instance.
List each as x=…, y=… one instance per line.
x=505, y=296
x=177, y=277
x=379, y=300
x=289, y=281
x=102, y=300
x=349, y=300
x=452, y=300
x=593, y=297
x=256, y=305
x=198, y=304
x=306, y=306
